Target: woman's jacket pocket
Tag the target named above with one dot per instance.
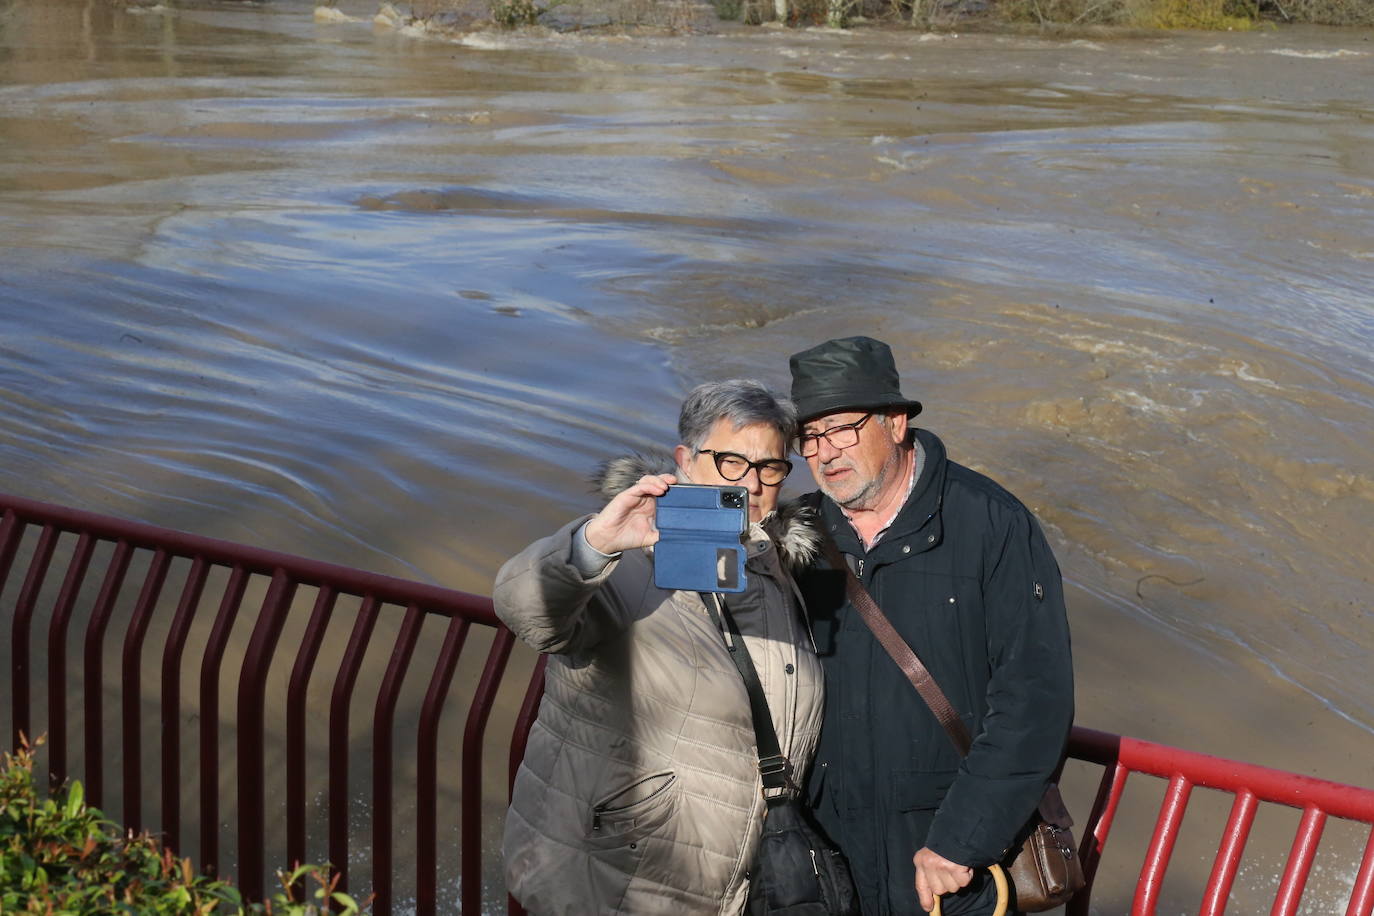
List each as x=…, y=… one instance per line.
x=635, y=810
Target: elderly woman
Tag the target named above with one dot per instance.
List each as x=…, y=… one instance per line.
x=640, y=790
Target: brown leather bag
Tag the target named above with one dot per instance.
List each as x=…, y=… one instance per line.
x=1045, y=870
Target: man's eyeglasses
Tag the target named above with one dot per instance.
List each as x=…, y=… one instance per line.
x=845, y=435
x=733, y=466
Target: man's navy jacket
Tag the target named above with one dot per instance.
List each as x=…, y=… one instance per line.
x=968, y=580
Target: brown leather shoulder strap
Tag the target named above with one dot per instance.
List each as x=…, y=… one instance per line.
x=901, y=653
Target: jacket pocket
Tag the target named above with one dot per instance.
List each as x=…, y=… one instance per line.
x=920, y=790
x=635, y=810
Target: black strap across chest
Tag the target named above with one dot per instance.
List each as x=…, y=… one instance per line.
x=774, y=768
x=901, y=653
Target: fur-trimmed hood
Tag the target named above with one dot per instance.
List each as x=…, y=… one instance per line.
x=792, y=527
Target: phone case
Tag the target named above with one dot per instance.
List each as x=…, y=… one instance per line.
x=699, y=532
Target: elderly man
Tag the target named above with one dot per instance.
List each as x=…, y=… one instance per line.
x=965, y=575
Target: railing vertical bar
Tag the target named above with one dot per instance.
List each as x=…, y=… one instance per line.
x=524, y=721
x=1094, y=842
x=11, y=533
x=93, y=670
x=252, y=714
x=383, y=723
x=520, y=737
x=131, y=693
x=427, y=767
x=295, y=721
x=19, y=633
x=171, y=700
x=470, y=835
x=229, y=604
x=57, y=658
x=338, y=737
x=1171, y=812
x=1362, y=894
x=1228, y=856
x=1299, y=862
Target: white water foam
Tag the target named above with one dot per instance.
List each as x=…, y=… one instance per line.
x=329, y=14
x=1318, y=55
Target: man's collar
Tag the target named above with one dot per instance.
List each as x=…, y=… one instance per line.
x=924, y=502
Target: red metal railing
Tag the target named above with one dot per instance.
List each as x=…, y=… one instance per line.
x=152, y=551
x=1318, y=800
x=149, y=553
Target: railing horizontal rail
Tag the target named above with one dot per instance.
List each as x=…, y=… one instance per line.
x=346, y=579
x=1270, y=785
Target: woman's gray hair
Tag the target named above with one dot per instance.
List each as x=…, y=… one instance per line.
x=742, y=401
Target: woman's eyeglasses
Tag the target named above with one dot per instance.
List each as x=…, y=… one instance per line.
x=843, y=436
x=733, y=466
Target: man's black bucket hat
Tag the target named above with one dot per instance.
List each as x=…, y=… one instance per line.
x=851, y=373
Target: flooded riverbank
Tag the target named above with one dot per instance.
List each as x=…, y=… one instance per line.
x=385, y=301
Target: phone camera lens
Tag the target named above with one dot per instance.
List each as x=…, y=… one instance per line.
x=732, y=500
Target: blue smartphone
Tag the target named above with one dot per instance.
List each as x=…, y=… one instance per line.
x=699, y=530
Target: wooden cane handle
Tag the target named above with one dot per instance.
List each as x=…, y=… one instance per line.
x=999, y=878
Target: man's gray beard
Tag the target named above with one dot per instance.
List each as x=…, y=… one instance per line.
x=857, y=500
x=869, y=490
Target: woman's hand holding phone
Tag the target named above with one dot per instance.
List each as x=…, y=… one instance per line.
x=627, y=521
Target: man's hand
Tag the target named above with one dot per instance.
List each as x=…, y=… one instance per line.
x=628, y=520
x=937, y=875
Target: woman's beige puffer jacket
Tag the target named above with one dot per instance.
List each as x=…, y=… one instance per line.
x=639, y=792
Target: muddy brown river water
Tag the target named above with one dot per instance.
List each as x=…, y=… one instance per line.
x=384, y=300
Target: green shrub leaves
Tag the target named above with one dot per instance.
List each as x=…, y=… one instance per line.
x=60, y=857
